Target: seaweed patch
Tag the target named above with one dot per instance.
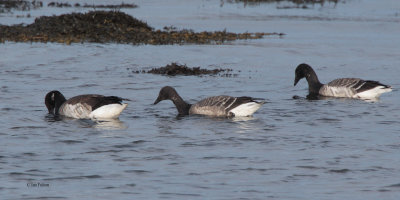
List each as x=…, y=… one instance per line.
x=174, y=69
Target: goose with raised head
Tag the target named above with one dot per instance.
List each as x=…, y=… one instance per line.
x=88, y=106
x=342, y=87
x=219, y=106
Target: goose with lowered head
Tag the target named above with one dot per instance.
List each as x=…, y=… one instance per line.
x=219, y=106
x=88, y=106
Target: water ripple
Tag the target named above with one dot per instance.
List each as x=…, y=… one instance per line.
x=74, y=177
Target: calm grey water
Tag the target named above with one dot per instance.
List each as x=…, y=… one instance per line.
x=289, y=149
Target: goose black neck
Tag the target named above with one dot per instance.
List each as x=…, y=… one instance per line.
x=181, y=105
x=313, y=83
x=58, y=100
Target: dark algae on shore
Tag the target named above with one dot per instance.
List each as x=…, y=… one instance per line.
x=7, y=6
x=111, y=26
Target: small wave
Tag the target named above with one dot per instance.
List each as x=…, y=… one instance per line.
x=104, y=151
x=341, y=171
x=129, y=145
x=328, y=120
x=47, y=197
x=180, y=194
x=70, y=141
x=26, y=127
x=394, y=185
x=74, y=177
x=87, y=85
x=137, y=171
x=23, y=174
x=310, y=167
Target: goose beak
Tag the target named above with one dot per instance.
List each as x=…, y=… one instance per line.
x=296, y=80
x=157, y=100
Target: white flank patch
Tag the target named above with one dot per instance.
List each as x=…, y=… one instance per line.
x=246, y=109
x=330, y=91
x=372, y=93
x=78, y=111
x=110, y=111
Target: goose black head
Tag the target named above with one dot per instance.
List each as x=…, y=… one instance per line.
x=166, y=92
x=302, y=71
x=53, y=101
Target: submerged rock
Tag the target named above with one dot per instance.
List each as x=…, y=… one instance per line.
x=174, y=69
x=110, y=26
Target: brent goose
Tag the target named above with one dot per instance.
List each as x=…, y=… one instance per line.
x=220, y=106
x=342, y=87
x=88, y=106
